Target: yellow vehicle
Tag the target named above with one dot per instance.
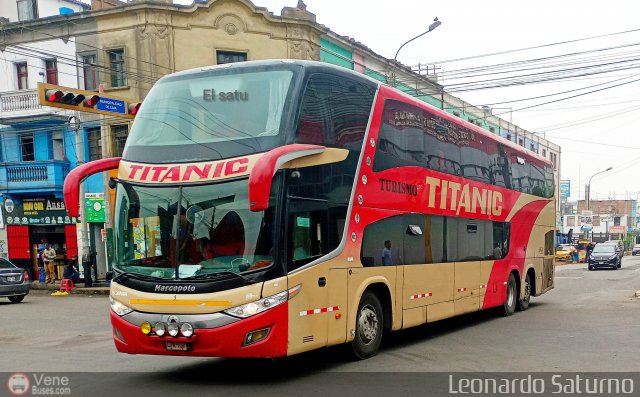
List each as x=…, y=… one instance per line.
x=564, y=252
x=582, y=250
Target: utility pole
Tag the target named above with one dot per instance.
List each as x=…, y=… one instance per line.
x=105, y=149
x=74, y=123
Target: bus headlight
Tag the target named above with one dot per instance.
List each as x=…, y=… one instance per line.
x=173, y=329
x=261, y=305
x=119, y=308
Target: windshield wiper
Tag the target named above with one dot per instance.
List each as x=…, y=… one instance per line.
x=218, y=276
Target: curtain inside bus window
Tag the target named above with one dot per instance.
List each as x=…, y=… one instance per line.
x=335, y=111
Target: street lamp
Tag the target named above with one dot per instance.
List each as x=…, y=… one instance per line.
x=588, y=187
x=433, y=25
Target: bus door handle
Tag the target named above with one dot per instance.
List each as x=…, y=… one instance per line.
x=322, y=281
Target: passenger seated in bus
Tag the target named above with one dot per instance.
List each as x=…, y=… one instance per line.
x=497, y=252
x=387, y=259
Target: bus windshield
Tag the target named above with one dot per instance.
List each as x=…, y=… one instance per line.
x=211, y=231
x=211, y=115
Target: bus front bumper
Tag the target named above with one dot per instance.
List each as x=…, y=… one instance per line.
x=229, y=340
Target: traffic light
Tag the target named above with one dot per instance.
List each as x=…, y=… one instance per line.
x=133, y=108
x=92, y=101
x=86, y=101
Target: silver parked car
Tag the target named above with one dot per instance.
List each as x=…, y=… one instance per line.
x=14, y=282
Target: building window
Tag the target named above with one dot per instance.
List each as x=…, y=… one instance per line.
x=520, y=142
x=230, y=57
x=120, y=133
x=544, y=153
x=51, y=66
x=26, y=147
x=23, y=76
x=95, y=143
x=553, y=159
x=571, y=221
x=492, y=129
x=509, y=136
x=27, y=10
x=57, y=145
x=457, y=114
x=616, y=221
x=116, y=62
x=90, y=73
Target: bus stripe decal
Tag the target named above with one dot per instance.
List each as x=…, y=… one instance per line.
x=318, y=311
x=462, y=289
x=483, y=286
x=420, y=296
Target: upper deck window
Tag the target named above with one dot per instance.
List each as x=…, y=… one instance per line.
x=200, y=111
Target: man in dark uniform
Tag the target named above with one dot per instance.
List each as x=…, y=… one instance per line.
x=86, y=267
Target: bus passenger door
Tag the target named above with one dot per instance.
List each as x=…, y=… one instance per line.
x=467, y=287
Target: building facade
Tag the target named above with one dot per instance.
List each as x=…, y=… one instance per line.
x=123, y=48
x=611, y=219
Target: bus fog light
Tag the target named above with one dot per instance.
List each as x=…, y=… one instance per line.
x=255, y=336
x=173, y=329
x=186, y=330
x=159, y=329
x=145, y=328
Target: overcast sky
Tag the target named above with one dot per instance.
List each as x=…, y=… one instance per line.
x=595, y=130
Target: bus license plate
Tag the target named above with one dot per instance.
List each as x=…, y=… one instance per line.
x=178, y=346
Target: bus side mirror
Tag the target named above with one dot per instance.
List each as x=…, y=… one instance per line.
x=265, y=168
x=71, y=188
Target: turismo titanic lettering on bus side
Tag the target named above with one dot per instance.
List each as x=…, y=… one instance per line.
x=459, y=197
x=187, y=172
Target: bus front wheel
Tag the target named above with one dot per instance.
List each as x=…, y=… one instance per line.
x=512, y=296
x=369, y=326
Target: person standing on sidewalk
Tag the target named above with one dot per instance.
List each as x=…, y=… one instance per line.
x=86, y=265
x=49, y=256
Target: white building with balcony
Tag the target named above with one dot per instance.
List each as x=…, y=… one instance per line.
x=37, y=145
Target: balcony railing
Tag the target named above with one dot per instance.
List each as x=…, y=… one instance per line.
x=19, y=101
x=33, y=176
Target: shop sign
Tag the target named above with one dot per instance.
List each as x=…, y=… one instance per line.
x=94, y=207
x=39, y=211
x=617, y=229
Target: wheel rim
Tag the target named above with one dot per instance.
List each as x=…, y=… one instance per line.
x=511, y=295
x=368, y=324
x=527, y=290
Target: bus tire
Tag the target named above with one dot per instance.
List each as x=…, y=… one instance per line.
x=369, y=326
x=523, y=304
x=511, y=299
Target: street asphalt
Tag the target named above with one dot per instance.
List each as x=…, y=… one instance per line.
x=589, y=322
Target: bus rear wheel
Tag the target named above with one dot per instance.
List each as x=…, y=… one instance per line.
x=369, y=326
x=512, y=296
x=523, y=304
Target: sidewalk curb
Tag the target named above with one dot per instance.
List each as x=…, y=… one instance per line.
x=44, y=288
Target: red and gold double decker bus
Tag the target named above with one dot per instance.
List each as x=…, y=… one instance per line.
x=268, y=208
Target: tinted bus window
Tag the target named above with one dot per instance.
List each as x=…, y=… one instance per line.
x=421, y=239
x=335, y=111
